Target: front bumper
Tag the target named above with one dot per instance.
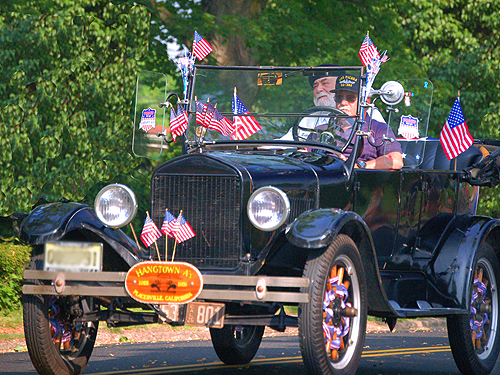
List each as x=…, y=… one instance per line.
x=215, y=287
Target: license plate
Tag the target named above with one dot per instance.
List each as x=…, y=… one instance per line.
x=171, y=311
x=205, y=314
x=73, y=256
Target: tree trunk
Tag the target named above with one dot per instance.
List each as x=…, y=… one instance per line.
x=232, y=49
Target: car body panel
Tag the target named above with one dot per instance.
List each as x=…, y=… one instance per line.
x=60, y=219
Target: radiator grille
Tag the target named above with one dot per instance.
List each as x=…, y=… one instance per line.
x=298, y=206
x=212, y=206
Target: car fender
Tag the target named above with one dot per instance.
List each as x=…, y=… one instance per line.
x=53, y=221
x=452, y=267
x=316, y=229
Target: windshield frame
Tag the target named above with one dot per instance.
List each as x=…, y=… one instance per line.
x=193, y=141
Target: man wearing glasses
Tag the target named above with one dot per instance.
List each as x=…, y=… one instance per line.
x=384, y=155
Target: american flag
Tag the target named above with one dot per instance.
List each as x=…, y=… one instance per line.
x=243, y=126
x=455, y=137
x=168, y=224
x=182, y=230
x=200, y=112
x=150, y=232
x=209, y=113
x=178, y=122
x=368, y=51
x=201, y=47
x=220, y=123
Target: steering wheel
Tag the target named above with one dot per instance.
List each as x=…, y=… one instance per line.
x=306, y=128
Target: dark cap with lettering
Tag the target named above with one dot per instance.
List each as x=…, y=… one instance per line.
x=347, y=82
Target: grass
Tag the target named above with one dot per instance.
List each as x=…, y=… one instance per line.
x=11, y=324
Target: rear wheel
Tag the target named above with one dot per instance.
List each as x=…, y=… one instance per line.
x=474, y=338
x=56, y=344
x=236, y=345
x=332, y=326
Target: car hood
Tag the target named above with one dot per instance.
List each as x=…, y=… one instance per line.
x=291, y=172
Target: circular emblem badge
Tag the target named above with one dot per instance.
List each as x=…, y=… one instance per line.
x=164, y=282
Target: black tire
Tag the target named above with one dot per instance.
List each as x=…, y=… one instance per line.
x=319, y=353
x=236, y=345
x=50, y=356
x=477, y=355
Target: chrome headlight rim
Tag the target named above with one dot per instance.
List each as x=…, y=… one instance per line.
x=284, y=199
x=132, y=198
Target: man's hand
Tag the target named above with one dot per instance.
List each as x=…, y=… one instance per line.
x=391, y=161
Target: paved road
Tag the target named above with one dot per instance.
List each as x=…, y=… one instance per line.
x=385, y=353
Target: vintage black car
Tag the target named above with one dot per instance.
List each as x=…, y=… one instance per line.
x=281, y=219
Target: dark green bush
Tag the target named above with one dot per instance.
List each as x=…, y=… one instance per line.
x=13, y=261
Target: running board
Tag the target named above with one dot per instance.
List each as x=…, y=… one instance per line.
x=425, y=310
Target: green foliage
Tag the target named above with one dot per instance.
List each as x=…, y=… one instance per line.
x=65, y=97
x=458, y=44
x=13, y=261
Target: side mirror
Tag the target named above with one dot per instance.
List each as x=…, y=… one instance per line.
x=391, y=93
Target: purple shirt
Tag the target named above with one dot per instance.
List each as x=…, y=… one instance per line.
x=378, y=129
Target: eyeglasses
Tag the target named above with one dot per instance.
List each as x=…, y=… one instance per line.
x=351, y=98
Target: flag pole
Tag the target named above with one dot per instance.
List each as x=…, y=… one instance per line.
x=458, y=97
x=156, y=245
x=235, y=131
x=173, y=254
x=175, y=244
x=135, y=236
x=166, y=241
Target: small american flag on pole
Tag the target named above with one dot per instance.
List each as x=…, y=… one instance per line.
x=455, y=137
x=178, y=122
x=182, y=230
x=150, y=232
x=168, y=224
x=201, y=48
x=209, y=113
x=368, y=51
x=221, y=124
x=243, y=126
x=201, y=109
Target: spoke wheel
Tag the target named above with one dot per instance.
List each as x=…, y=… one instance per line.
x=56, y=344
x=474, y=338
x=332, y=325
x=236, y=345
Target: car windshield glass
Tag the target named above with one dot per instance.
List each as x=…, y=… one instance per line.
x=267, y=104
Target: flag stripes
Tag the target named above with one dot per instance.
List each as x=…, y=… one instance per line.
x=168, y=224
x=455, y=137
x=150, y=232
x=182, y=230
x=178, y=122
x=201, y=48
x=243, y=126
x=367, y=52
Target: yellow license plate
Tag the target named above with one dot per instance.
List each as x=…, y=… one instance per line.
x=73, y=256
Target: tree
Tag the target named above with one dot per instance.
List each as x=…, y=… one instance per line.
x=458, y=45
x=65, y=94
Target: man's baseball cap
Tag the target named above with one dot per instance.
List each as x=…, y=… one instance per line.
x=347, y=82
x=317, y=74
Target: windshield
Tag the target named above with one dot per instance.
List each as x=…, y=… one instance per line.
x=283, y=105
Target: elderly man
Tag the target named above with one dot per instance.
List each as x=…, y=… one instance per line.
x=323, y=83
x=386, y=156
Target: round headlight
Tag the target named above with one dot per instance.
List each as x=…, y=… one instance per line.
x=268, y=208
x=115, y=205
